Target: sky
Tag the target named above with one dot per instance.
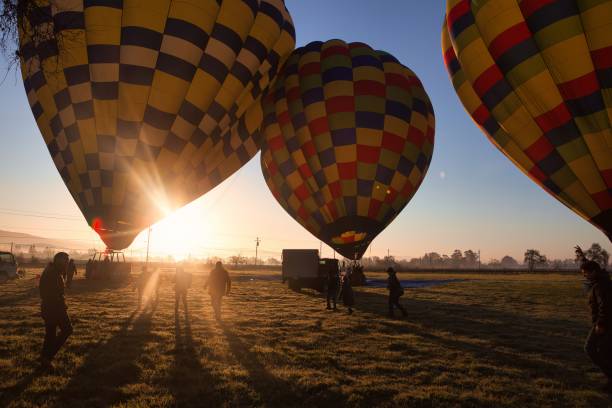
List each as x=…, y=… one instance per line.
x=472, y=197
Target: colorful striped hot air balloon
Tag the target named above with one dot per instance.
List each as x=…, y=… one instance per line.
x=348, y=136
x=147, y=104
x=536, y=76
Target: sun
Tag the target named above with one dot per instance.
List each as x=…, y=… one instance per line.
x=182, y=233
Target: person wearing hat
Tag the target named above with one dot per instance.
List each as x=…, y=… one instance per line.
x=395, y=292
x=53, y=308
x=598, y=345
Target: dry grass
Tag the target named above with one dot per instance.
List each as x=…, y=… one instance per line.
x=490, y=341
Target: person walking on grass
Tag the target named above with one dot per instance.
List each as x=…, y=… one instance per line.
x=395, y=292
x=182, y=283
x=53, y=308
x=333, y=282
x=598, y=345
x=219, y=284
x=346, y=292
x=71, y=271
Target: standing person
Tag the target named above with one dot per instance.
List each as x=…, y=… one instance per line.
x=395, y=292
x=182, y=283
x=333, y=282
x=218, y=284
x=598, y=345
x=346, y=292
x=53, y=308
x=70, y=272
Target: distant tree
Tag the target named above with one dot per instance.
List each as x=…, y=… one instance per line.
x=534, y=258
x=389, y=260
x=556, y=264
x=598, y=254
x=272, y=261
x=237, y=260
x=470, y=258
x=494, y=263
x=446, y=260
x=456, y=258
x=508, y=262
x=432, y=259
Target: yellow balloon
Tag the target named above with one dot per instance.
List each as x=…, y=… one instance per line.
x=145, y=105
x=536, y=76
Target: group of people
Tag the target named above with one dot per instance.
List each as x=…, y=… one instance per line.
x=598, y=345
x=218, y=285
x=59, y=273
x=341, y=287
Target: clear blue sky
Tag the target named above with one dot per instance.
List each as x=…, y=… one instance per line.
x=473, y=197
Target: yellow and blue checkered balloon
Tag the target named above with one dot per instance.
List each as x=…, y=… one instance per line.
x=348, y=135
x=536, y=76
x=145, y=105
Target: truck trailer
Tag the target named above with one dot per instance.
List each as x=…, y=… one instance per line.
x=303, y=268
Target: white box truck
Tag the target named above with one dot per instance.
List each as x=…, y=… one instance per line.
x=303, y=268
x=8, y=266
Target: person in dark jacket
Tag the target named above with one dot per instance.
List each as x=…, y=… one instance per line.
x=598, y=345
x=218, y=284
x=70, y=272
x=53, y=308
x=333, y=282
x=346, y=292
x=395, y=292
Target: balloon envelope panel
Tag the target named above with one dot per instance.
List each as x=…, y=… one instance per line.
x=348, y=136
x=536, y=76
x=146, y=105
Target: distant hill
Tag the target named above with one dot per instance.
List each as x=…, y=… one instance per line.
x=21, y=240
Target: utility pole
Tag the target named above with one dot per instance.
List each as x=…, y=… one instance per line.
x=479, y=259
x=257, y=241
x=148, y=240
x=11, y=247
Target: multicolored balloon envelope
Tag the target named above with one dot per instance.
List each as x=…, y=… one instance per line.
x=536, y=76
x=348, y=136
x=147, y=104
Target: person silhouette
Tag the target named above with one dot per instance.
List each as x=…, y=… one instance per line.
x=219, y=284
x=53, y=308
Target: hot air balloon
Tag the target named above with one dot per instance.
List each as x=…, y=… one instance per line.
x=536, y=76
x=348, y=136
x=146, y=105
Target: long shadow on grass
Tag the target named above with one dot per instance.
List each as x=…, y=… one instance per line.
x=272, y=390
x=500, y=337
x=27, y=294
x=79, y=286
x=188, y=381
x=111, y=366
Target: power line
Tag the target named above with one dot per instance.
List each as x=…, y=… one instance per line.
x=39, y=212
x=16, y=214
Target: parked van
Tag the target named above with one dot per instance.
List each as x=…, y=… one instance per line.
x=8, y=266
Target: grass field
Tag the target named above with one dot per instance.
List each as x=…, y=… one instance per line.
x=492, y=340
